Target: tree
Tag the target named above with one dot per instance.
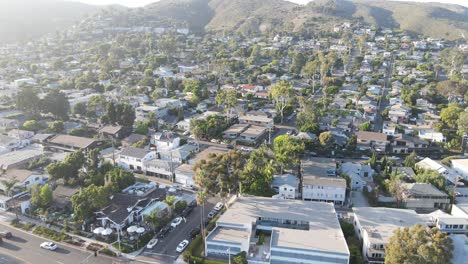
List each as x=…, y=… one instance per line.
x=366, y=126
x=46, y=196
x=462, y=122
x=201, y=199
x=432, y=177
x=287, y=151
x=240, y=258
x=193, y=86
x=27, y=100
x=411, y=160
x=418, y=244
x=56, y=126
x=80, y=109
x=397, y=188
x=180, y=206
x=310, y=70
x=88, y=200
x=36, y=199
x=326, y=139
x=56, y=103
x=170, y=200
x=32, y=125
x=351, y=144
x=220, y=173
x=8, y=185
x=257, y=174
x=119, y=179
x=450, y=115
x=282, y=94
x=228, y=99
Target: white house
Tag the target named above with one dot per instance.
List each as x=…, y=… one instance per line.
x=184, y=174
x=374, y=227
x=431, y=135
x=287, y=186
x=360, y=174
x=24, y=178
x=133, y=158
x=460, y=166
x=165, y=140
x=324, y=189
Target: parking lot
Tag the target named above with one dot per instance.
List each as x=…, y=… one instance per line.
x=165, y=249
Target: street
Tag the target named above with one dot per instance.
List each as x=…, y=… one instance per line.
x=24, y=248
x=165, y=250
x=378, y=121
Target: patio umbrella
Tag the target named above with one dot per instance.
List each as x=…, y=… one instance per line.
x=106, y=232
x=98, y=230
x=140, y=230
x=132, y=229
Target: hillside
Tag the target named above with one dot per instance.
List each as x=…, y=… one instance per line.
x=440, y=20
x=21, y=20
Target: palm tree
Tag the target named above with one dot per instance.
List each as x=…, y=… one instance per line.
x=9, y=184
x=201, y=200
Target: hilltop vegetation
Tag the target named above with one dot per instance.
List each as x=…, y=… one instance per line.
x=22, y=20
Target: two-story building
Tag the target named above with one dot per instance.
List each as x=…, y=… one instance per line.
x=371, y=141
x=131, y=158
x=424, y=196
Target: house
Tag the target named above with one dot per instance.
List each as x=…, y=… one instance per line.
x=253, y=135
x=460, y=166
x=235, y=130
x=131, y=158
x=407, y=172
x=165, y=140
x=399, y=113
x=375, y=225
x=62, y=197
x=361, y=175
x=22, y=135
x=287, y=186
x=116, y=132
x=132, y=139
x=20, y=158
x=184, y=174
x=6, y=124
x=295, y=232
x=8, y=144
x=258, y=120
x=320, y=167
x=403, y=143
x=431, y=135
x=324, y=189
x=389, y=128
x=159, y=168
x=424, y=196
x=125, y=208
x=371, y=140
x=24, y=178
x=68, y=143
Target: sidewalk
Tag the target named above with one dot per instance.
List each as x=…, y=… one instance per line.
x=7, y=217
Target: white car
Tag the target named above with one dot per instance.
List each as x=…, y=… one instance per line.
x=182, y=246
x=152, y=243
x=49, y=246
x=176, y=222
x=364, y=157
x=219, y=206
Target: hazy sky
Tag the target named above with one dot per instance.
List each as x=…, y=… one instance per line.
x=136, y=3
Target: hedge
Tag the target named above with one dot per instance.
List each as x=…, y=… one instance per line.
x=51, y=234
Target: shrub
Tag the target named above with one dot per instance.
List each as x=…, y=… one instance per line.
x=50, y=234
x=108, y=252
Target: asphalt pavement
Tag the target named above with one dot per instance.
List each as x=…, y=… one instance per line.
x=23, y=248
x=165, y=250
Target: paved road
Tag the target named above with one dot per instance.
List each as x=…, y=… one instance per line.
x=165, y=250
x=24, y=248
x=378, y=121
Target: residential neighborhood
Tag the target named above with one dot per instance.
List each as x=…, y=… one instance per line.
x=157, y=143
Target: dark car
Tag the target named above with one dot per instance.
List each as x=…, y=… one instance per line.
x=212, y=214
x=186, y=211
x=164, y=231
x=192, y=203
x=6, y=234
x=229, y=146
x=194, y=232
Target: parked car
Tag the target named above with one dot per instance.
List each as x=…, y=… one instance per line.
x=182, y=245
x=218, y=206
x=364, y=157
x=212, y=214
x=229, y=146
x=152, y=243
x=176, y=222
x=49, y=246
x=188, y=186
x=6, y=234
x=194, y=232
x=186, y=211
x=192, y=203
x=164, y=231
x=186, y=133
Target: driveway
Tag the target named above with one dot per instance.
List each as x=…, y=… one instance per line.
x=358, y=199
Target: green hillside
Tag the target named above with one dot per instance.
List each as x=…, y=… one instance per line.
x=22, y=20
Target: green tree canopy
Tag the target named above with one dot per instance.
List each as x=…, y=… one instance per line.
x=88, y=200
x=288, y=151
x=450, y=115
x=282, y=94
x=418, y=245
